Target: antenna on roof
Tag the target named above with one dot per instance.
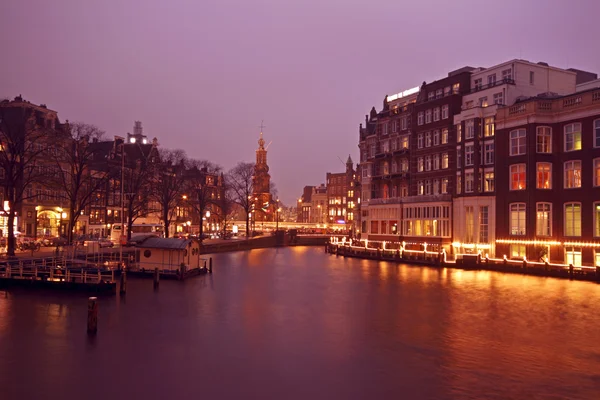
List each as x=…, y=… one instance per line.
x=343, y=163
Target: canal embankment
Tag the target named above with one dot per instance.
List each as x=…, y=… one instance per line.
x=463, y=261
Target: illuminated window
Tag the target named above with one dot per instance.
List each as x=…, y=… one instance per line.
x=404, y=165
x=458, y=184
x=488, y=181
x=445, y=136
x=517, y=219
x=572, y=219
x=543, y=219
x=488, y=127
x=458, y=133
x=517, y=177
x=544, y=176
x=517, y=251
x=573, y=137
x=444, y=185
x=404, y=142
x=572, y=174
x=483, y=102
x=573, y=256
x=544, y=139
x=597, y=172
x=517, y=142
x=420, y=164
x=456, y=88
x=444, y=160
x=458, y=158
x=420, y=188
x=597, y=219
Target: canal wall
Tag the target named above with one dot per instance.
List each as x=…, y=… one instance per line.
x=466, y=262
x=263, y=242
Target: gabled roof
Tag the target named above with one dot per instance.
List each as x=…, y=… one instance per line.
x=167, y=244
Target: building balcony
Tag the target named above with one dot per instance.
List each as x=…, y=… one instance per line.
x=550, y=106
x=491, y=85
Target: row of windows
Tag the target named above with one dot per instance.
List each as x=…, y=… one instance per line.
x=485, y=182
x=433, y=187
x=573, y=139
x=489, y=129
x=447, y=91
x=486, y=154
x=572, y=175
x=434, y=138
x=435, y=162
x=543, y=219
x=397, y=125
x=434, y=114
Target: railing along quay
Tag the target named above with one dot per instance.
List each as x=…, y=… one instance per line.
x=57, y=278
x=465, y=261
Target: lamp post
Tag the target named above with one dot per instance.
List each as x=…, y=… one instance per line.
x=122, y=203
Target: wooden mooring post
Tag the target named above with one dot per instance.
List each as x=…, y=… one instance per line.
x=123, y=283
x=210, y=265
x=92, y=320
x=156, y=278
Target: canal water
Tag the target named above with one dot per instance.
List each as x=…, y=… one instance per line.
x=295, y=323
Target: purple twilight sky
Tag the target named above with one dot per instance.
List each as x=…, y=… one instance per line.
x=202, y=74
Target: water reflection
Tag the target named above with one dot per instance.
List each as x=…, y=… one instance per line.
x=297, y=323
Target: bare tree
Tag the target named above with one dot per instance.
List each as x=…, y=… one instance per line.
x=240, y=186
x=201, y=193
x=24, y=137
x=74, y=175
x=138, y=169
x=168, y=187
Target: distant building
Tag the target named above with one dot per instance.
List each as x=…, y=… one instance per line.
x=319, y=204
x=304, y=206
x=342, y=197
x=263, y=205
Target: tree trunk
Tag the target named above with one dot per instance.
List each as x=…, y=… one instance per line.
x=201, y=227
x=11, y=242
x=166, y=222
x=129, y=225
x=247, y=225
x=72, y=221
